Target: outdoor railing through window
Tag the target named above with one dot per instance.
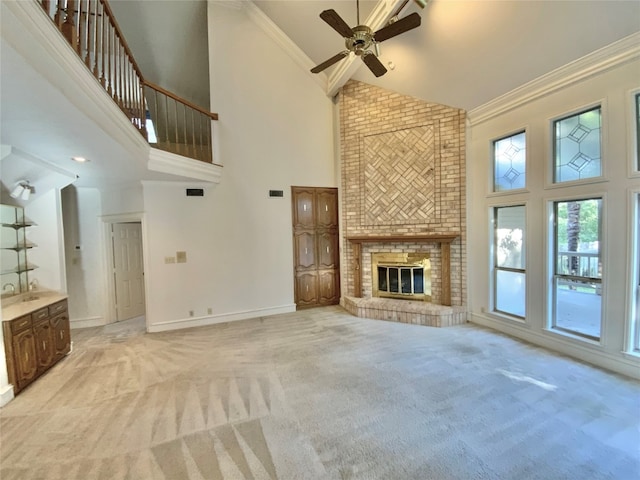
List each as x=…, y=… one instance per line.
x=92, y=31
x=579, y=268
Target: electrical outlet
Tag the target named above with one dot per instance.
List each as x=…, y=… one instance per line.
x=181, y=257
x=169, y=259
x=209, y=311
x=191, y=313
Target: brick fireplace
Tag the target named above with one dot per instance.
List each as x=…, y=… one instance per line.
x=403, y=191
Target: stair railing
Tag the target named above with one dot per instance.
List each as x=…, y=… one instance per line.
x=180, y=126
x=92, y=31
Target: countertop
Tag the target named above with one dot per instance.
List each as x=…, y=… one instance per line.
x=14, y=307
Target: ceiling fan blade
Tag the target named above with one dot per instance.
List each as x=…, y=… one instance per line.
x=375, y=65
x=404, y=24
x=327, y=63
x=336, y=22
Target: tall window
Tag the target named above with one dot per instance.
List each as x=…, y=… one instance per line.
x=509, y=163
x=636, y=299
x=577, y=279
x=577, y=141
x=509, y=260
x=637, y=116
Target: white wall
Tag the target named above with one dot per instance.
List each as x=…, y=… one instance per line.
x=275, y=131
x=46, y=211
x=533, y=108
x=84, y=265
x=121, y=199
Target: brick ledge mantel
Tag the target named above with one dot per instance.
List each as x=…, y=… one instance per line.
x=443, y=239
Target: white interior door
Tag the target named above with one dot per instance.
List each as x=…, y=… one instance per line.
x=128, y=270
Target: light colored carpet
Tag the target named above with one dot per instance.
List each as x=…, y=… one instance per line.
x=319, y=394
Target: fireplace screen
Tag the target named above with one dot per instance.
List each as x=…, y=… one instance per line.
x=401, y=275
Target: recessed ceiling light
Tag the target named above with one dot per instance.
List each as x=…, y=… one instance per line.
x=80, y=159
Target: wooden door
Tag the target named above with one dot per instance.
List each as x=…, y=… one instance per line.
x=316, y=247
x=128, y=270
x=44, y=344
x=305, y=245
x=303, y=208
x=327, y=208
x=61, y=335
x=328, y=287
x=26, y=363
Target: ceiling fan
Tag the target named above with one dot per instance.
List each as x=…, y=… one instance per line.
x=360, y=39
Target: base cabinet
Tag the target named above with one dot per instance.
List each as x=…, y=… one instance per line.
x=25, y=362
x=35, y=342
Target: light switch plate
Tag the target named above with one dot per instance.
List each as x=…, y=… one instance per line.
x=181, y=257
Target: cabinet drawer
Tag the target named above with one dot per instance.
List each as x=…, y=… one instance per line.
x=57, y=308
x=40, y=314
x=19, y=324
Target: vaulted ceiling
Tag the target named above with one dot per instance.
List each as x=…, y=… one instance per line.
x=465, y=53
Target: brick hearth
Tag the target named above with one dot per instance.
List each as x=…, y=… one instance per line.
x=405, y=311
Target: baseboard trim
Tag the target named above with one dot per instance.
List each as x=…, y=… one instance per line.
x=564, y=346
x=87, y=322
x=221, y=318
x=6, y=395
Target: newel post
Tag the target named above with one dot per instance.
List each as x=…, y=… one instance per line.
x=68, y=28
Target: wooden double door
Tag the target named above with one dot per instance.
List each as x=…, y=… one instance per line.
x=316, y=248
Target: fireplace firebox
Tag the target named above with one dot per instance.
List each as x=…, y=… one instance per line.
x=401, y=275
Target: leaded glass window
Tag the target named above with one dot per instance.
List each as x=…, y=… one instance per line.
x=509, y=163
x=577, y=146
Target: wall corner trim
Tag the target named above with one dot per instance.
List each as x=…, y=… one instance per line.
x=599, y=61
x=283, y=41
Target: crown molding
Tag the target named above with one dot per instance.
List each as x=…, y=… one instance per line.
x=283, y=41
x=595, y=63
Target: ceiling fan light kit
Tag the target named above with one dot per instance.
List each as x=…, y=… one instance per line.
x=360, y=39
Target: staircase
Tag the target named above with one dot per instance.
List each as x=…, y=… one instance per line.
x=90, y=27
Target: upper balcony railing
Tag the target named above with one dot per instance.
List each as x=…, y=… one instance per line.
x=92, y=31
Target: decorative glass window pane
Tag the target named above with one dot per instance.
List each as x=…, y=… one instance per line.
x=577, y=147
x=509, y=163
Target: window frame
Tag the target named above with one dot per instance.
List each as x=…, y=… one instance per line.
x=632, y=341
x=634, y=132
x=550, y=254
